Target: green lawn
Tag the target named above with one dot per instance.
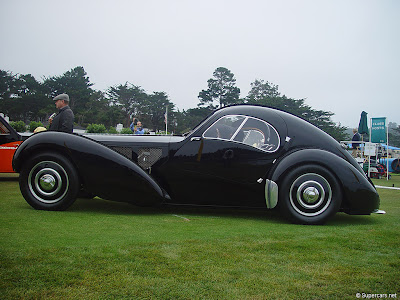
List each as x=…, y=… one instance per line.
x=100, y=250
x=394, y=181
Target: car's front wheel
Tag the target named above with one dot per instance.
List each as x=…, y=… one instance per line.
x=49, y=181
x=309, y=194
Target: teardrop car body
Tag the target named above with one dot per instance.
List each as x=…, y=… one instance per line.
x=239, y=156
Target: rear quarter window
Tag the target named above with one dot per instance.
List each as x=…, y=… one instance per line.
x=246, y=130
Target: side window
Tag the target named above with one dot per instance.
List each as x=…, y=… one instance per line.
x=246, y=130
x=224, y=128
x=259, y=134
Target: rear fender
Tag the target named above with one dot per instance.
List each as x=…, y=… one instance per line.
x=360, y=196
x=102, y=171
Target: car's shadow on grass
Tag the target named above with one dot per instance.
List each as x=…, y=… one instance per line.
x=9, y=177
x=343, y=219
x=101, y=206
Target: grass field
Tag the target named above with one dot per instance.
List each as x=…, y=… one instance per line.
x=106, y=250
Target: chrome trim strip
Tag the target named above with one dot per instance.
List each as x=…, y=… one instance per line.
x=238, y=129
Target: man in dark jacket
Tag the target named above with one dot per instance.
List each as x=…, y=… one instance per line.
x=356, y=146
x=64, y=119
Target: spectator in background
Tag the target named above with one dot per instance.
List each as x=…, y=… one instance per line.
x=139, y=128
x=136, y=126
x=133, y=124
x=64, y=119
x=355, y=146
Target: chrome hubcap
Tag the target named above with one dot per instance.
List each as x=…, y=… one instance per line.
x=310, y=194
x=48, y=182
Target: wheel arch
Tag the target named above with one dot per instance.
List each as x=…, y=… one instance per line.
x=351, y=181
x=102, y=171
x=301, y=157
x=25, y=153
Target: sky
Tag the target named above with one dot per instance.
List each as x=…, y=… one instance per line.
x=341, y=56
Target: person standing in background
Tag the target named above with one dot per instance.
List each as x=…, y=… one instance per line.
x=133, y=125
x=139, y=128
x=356, y=146
x=136, y=126
x=64, y=120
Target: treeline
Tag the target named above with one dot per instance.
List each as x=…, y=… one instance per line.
x=24, y=98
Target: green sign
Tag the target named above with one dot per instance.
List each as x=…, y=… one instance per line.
x=378, y=130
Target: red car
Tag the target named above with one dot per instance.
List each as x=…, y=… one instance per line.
x=9, y=142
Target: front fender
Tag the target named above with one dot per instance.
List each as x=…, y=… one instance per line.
x=360, y=196
x=102, y=171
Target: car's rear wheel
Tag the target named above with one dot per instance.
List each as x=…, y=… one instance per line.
x=49, y=181
x=309, y=194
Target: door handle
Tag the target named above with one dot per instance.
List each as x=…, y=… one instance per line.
x=196, y=138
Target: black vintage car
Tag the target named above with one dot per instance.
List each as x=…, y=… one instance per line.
x=240, y=156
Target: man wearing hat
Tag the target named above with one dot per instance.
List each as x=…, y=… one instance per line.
x=64, y=119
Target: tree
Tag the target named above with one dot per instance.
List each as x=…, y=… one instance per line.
x=7, y=85
x=394, y=134
x=153, y=110
x=266, y=93
x=77, y=85
x=221, y=89
x=32, y=96
x=129, y=98
x=261, y=90
x=8, y=94
x=188, y=119
x=101, y=111
x=22, y=97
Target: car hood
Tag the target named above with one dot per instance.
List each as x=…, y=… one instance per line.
x=110, y=139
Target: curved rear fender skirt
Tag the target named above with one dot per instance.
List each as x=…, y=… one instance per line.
x=360, y=196
x=103, y=171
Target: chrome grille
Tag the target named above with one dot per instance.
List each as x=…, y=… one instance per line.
x=125, y=151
